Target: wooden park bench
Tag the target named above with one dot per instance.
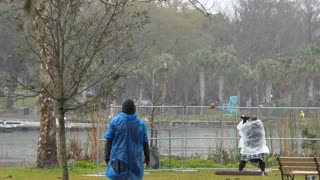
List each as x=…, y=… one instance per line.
x=291, y=166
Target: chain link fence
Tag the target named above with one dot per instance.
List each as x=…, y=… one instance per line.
x=204, y=137
x=201, y=137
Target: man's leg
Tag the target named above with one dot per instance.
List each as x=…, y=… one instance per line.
x=242, y=164
x=262, y=165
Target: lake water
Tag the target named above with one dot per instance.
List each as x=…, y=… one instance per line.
x=19, y=148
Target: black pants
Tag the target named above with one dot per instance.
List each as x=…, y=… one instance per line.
x=260, y=162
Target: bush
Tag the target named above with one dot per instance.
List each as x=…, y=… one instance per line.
x=85, y=165
x=271, y=161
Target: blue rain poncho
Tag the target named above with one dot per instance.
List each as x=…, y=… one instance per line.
x=252, y=138
x=127, y=133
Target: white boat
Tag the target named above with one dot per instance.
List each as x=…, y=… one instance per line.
x=8, y=126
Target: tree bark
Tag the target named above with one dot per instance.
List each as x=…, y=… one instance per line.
x=62, y=140
x=284, y=93
x=47, y=146
x=289, y=98
x=141, y=86
x=257, y=99
x=310, y=90
x=221, y=84
x=11, y=98
x=268, y=91
x=164, y=85
x=239, y=96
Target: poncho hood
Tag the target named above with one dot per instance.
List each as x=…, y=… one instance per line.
x=129, y=116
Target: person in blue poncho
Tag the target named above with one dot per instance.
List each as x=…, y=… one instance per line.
x=126, y=138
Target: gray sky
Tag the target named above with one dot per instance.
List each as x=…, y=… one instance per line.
x=218, y=5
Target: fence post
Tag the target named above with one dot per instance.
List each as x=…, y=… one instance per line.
x=98, y=135
x=221, y=138
x=184, y=139
x=169, y=147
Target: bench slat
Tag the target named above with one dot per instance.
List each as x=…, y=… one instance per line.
x=296, y=159
x=302, y=172
x=298, y=164
x=298, y=168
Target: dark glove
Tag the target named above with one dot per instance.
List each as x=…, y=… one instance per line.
x=244, y=118
x=244, y=121
x=148, y=164
x=108, y=147
x=107, y=160
x=146, y=150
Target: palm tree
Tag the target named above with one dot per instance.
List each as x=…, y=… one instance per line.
x=309, y=61
x=243, y=74
x=267, y=71
x=200, y=59
x=288, y=78
x=225, y=63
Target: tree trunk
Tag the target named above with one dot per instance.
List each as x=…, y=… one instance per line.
x=202, y=87
x=257, y=99
x=47, y=147
x=164, y=85
x=11, y=96
x=289, y=98
x=284, y=93
x=310, y=90
x=62, y=140
x=47, y=144
x=221, y=84
x=239, y=97
x=141, y=86
x=186, y=96
x=268, y=91
x=308, y=22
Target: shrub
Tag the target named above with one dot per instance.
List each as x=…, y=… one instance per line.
x=85, y=164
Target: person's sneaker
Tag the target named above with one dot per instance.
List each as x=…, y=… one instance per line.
x=264, y=173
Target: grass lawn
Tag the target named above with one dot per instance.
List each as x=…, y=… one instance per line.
x=55, y=174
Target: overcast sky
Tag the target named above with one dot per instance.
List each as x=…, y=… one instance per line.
x=218, y=5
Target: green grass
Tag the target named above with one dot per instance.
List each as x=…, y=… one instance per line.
x=27, y=102
x=41, y=174
x=21, y=102
x=54, y=174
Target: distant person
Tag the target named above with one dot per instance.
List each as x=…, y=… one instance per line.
x=126, y=138
x=301, y=114
x=252, y=142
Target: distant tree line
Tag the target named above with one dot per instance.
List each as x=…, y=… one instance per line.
x=263, y=51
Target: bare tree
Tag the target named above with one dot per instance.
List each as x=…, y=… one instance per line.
x=311, y=17
x=79, y=46
x=265, y=29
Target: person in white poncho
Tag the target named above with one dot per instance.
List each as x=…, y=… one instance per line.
x=252, y=142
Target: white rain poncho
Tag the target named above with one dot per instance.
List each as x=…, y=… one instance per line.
x=252, y=138
x=127, y=133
